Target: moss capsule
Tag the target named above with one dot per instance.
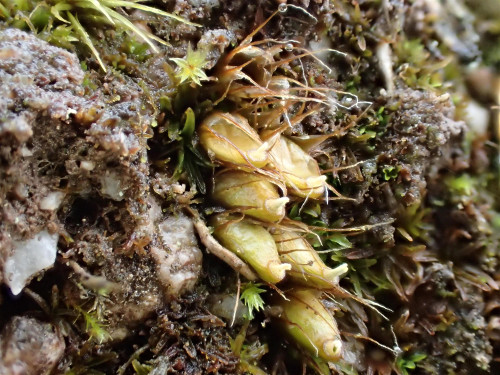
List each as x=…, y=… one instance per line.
x=247, y=63
x=310, y=324
x=256, y=196
x=300, y=171
x=276, y=87
x=253, y=244
x=229, y=138
x=307, y=267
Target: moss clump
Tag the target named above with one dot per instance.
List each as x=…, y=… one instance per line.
x=60, y=21
x=411, y=209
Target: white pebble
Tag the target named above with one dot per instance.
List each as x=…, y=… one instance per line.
x=52, y=201
x=28, y=258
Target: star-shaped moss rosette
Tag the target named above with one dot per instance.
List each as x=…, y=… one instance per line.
x=190, y=68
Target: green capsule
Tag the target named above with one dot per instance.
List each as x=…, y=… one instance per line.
x=253, y=244
x=310, y=324
x=256, y=196
x=229, y=138
x=299, y=170
x=307, y=267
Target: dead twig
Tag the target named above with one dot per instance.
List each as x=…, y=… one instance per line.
x=220, y=251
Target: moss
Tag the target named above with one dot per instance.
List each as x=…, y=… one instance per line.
x=58, y=20
x=412, y=217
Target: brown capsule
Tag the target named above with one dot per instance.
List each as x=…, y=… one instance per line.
x=310, y=324
x=246, y=63
x=277, y=87
x=255, y=195
x=229, y=138
x=307, y=267
x=253, y=244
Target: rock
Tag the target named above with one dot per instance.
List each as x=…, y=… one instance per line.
x=38, y=76
x=28, y=258
x=52, y=201
x=179, y=263
x=28, y=346
x=111, y=186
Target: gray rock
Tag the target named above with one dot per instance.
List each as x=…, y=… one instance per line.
x=28, y=346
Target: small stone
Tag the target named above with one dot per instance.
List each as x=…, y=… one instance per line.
x=52, y=201
x=29, y=347
x=28, y=258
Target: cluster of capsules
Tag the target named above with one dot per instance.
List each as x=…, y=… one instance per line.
x=262, y=167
